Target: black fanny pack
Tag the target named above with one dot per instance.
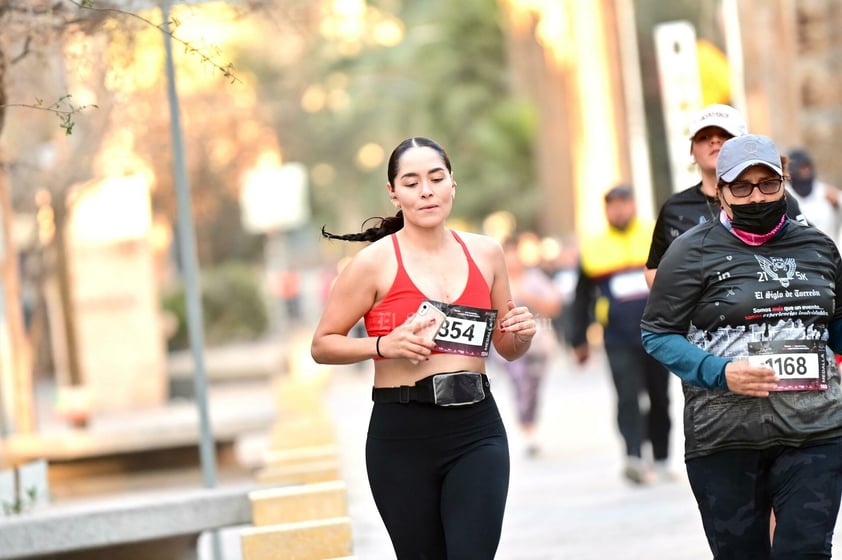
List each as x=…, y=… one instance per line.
x=458, y=388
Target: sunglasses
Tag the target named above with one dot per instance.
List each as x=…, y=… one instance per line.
x=743, y=189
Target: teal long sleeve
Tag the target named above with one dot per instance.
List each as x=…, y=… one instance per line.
x=686, y=360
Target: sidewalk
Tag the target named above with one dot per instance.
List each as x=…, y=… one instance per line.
x=107, y=480
x=240, y=403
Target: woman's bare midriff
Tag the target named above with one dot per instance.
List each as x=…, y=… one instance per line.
x=394, y=373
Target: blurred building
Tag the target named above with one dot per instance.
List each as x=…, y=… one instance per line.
x=591, y=68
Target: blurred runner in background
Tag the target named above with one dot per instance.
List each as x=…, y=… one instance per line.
x=531, y=287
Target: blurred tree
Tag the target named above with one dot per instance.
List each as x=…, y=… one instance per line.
x=339, y=88
x=30, y=29
x=232, y=302
x=46, y=37
x=349, y=87
x=219, y=151
x=489, y=131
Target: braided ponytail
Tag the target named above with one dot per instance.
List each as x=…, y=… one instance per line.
x=386, y=226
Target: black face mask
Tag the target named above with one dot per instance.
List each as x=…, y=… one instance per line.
x=803, y=172
x=758, y=218
x=803, y=186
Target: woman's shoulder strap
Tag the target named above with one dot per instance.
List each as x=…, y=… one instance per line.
x=396, y=245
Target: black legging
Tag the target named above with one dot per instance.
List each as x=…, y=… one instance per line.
x=439, y=476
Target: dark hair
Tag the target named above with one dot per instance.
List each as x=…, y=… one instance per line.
x=391, y=224
x=616, y=192
x=800, y=157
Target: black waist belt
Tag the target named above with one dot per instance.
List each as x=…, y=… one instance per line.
x=444, y=389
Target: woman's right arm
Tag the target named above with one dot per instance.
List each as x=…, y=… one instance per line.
x=700, y=368
x=666, y=320
x=353, y=294
x=686, y=360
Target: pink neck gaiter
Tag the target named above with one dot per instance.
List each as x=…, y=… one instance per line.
x=747, y=237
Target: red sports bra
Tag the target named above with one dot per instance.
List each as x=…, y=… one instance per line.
x=404, y=297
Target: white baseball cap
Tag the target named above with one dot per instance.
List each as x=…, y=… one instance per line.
x=724, y=116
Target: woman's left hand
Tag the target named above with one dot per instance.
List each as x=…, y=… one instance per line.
x=519, y=321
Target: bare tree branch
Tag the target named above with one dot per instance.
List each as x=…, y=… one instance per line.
x=226, y=70
x=24, y=51
x=62, y=107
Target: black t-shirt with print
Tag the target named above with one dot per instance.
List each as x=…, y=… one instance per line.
x=726, y=297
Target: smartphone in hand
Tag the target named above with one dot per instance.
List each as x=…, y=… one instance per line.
x=431, y=318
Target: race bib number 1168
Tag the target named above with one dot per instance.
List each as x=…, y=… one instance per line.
x=800, y=365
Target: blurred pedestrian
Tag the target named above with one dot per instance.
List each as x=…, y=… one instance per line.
x=611, y=271
x=436, y=452
x=746, y=310
x=698, y=204
x=531, y=287
x=562, y=266
x=818, y=200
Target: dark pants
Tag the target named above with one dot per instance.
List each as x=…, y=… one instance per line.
x=440, y=477
x=737, y=489
x=633, y=371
